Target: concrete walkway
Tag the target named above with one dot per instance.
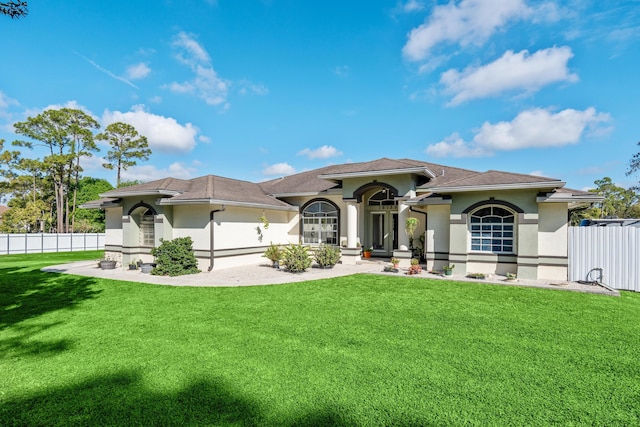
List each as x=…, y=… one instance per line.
x=264, y=274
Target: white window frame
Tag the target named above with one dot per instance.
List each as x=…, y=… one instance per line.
x=320, y=227
x=146, y=235
x=491, y=234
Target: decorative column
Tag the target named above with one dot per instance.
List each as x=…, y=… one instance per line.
x=352, y=224
x=403, y=238
x=351, y=254
x=403, y=253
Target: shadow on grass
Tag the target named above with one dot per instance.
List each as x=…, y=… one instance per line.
x=123, y=399
x=26, y=294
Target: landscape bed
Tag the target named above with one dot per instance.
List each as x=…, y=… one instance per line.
x=356, y=350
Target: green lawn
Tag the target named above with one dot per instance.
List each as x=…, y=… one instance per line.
x=358, y=350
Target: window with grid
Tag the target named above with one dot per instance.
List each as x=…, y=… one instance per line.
x=147, y=233
x=320, y=223
x=492, y=230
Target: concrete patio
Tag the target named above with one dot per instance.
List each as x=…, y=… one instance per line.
x=265, y=274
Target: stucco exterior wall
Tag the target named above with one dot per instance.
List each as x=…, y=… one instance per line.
x=437, y=236
x=525, y=262
x=113, y=227
x=553, y=241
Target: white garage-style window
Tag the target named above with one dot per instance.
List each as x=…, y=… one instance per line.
x=146, y=229
x=492, y=230
x=320, y=223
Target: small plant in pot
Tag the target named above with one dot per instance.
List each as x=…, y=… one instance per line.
x=448, y=269
x=395, y=261
x=273, y=254
x=367, y=252
x=415, y=267
x=107, y=263
x=133, y=266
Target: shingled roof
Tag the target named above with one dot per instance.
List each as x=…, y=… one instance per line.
x=216, y=189
x=206, y=189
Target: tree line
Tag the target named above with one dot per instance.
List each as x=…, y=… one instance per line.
x=45, y=191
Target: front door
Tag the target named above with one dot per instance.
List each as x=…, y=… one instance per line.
x=384, y=230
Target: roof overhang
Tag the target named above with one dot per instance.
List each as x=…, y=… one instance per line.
x=417, y=170
x=429, y=199
x=170, y=202
x=124, y=193
x=102, y=204
x=573, y=200
x=498, y=187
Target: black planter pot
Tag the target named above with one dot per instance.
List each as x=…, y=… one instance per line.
x=107, y=265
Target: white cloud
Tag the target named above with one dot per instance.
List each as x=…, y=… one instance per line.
x=467, y=22
x=248, y=87
x=5, y=105
x=206, y=83
x=324, y=152
x=148, y=172
x=279, y=169
x=534, y=128
x=155, y=99
x=92, y=163
x=138, y=71
x=164, y=134
x=512, y=71
x=412, y=6
x=204, y=138
x=454, y=146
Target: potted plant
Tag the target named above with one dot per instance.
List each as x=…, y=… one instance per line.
x=511, y=277
x=146, y=267
x=410, y=226
x=367, y=252
x=395, y=261
x=448, y=269
x=133, y=266
x=107, y=263
x=415, y=267
x=274, y=254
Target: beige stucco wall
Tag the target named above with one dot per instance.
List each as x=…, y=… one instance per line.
x=438, y=235
x=113, y=227
x=553, y=241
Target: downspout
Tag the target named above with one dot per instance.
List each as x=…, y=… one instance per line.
x=211, y=235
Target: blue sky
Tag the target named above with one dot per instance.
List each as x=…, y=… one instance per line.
x=259, y=89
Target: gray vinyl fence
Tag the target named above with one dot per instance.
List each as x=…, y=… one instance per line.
x=31, y=243
x=615, y=250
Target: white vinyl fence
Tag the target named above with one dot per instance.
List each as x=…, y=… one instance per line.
x=50, y=242
x=614, y=250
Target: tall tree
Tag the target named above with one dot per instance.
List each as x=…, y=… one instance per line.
x=65, y=134
x=82, y=145
x=634, y=167
x=127, y=147
x=618, y=202
x=91, y=220
x=14, y=9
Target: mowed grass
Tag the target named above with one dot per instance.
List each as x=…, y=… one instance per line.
x=358, y=350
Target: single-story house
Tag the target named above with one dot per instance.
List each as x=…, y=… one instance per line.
x=484, y=222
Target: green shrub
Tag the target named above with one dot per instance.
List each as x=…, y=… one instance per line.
x=273, y=253
x=175, y=257
x=327, y=256
x=296, y=258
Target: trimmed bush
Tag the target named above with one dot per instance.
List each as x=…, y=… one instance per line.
x=175, y=257
x=296, y=258
x=327, y=256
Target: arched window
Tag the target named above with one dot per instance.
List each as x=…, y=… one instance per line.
x=146, y=229
x=320, y=223
x=492, y=230
x=384, y=197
